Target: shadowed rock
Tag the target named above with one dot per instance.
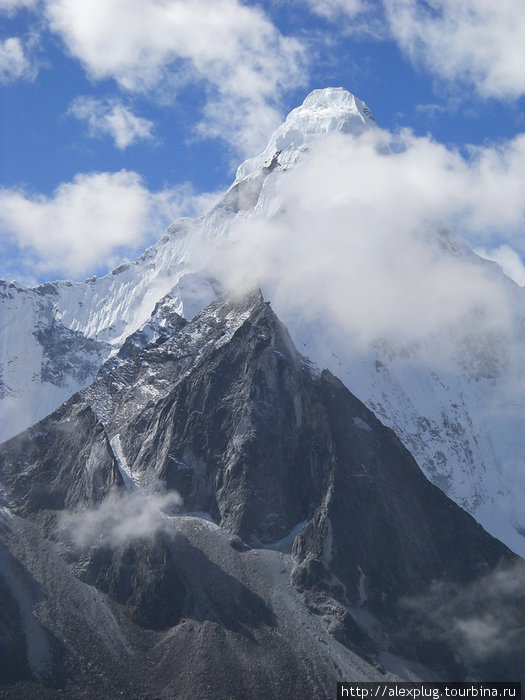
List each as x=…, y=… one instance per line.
x=225, y=411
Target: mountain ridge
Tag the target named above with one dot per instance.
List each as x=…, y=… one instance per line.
x=317, y=544
x=461, y=421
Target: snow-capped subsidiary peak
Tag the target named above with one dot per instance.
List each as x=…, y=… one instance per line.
x=324, y=111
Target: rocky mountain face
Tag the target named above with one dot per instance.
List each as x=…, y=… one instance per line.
x=461, y=420
x=214, y=517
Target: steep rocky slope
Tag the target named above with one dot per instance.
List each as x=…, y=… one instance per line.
x=308, y=548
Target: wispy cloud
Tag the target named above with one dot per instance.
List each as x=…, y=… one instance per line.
x=333, y=9
x=12, y=6
x=98, y=218
x=350, y=17
x=233, y=50
x=432, y=110
x=16, y=60
x=112, y=118
x=122, y=517
x=480, y=619
x=474, y=42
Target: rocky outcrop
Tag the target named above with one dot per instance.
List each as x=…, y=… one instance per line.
x=63, y=462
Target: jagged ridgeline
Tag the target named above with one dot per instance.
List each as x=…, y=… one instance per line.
x=214, y=518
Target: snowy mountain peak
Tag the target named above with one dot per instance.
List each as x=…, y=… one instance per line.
x=333, y=101
x=324, y=111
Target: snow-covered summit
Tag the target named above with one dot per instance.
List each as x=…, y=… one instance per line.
x=460, y=420
x=323, y=111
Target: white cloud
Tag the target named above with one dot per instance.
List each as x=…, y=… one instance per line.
x=113, y=118
x=91, y=222
x=479, y=42
x=359, y=236
x=332, y=9
x=509, y=261
x=240, y=58
x=357, y=17
x=467, y=42
x=122, y=517
x=15, y=61
x=12, y=6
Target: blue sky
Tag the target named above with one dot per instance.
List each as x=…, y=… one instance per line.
x=118, y=116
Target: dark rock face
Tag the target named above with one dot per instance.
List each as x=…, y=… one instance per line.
x=143, y=578
x=68, y=354
x=12, y=646
x=27, y=648
x=64, y=461
x=233, y=436
x=381, y=525
x=264, y=452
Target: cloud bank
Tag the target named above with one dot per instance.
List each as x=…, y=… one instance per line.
x=360, y=235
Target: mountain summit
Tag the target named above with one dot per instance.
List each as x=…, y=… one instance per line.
x=329, y=110
x=461, y=420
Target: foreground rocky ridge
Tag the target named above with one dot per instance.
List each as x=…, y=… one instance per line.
x=309, y=547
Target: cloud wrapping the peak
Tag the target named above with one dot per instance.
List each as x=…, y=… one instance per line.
x=475, y=42
x=113, y=118
x=360, y=237
x=242, y=61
